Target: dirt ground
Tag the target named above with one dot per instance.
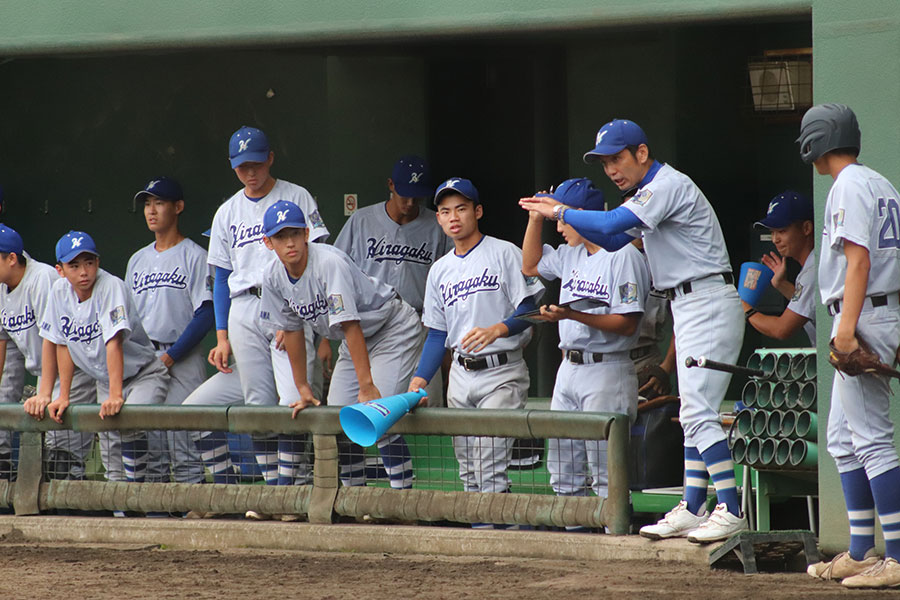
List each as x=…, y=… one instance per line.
x=29, y=571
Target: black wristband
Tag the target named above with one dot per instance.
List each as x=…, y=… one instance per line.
x=749, y=313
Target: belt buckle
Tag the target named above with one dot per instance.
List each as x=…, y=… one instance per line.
x=469, y=363
x=576, y=356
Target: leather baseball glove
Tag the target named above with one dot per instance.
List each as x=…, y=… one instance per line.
x=862, y=360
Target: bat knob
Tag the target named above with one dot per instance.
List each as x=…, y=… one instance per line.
x=690, y=362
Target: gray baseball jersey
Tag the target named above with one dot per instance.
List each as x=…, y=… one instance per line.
x=168, y=287
x=479, y=289
x=619, y=278
x=803, y=301
x=22, y=309
x=236, y=239
x=862, y=207
x=86, y=327
x=399, y=255
x=682, y=236
x=331, y=291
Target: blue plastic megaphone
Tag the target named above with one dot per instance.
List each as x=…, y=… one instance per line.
x=754, y=280
x=366, y=422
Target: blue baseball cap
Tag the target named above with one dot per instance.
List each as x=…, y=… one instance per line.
x=10, y=240
x=614, y=137
x=461, y=186
x=786, y=208
x=74, y=243
x=412, y=177
x=578, y=193
x=248, y=144
x=282, y=214
x=161, y=187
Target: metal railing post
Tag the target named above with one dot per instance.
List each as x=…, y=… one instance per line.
x=30, y=472
x=325, y=479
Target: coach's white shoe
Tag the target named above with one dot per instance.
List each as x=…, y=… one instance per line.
x=883, y=574
x=720, y=525
x=678, y=522
x=842, y=566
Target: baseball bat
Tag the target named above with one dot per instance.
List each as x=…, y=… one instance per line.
x=705, y=363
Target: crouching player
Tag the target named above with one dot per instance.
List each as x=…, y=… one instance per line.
x=321, y=286
x=597, y=373
x=92, y=322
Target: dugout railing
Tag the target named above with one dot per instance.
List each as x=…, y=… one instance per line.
x=325, y=500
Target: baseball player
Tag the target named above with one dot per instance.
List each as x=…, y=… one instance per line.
x=597, y=372
x=687, y=255
x=24, y=291
x=237, y=252
x=171, y=285
x=91, y=323
x=398, y=240
x=859, y=279
x=790, y=219
x=12, y=382
x=472, y=297
x=320, y=286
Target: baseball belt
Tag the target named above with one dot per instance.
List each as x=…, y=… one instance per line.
x=870, y=302
x=255, y=291
x=580, y=357
x=480, y=363
x=688, y=286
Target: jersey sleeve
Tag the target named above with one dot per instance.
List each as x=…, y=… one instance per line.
x=433, y=315
x=550, y=266
x=852, y=213
x=129, y=273
x=803, y=301
x=317, y=230
x=632, y=282
x=201, y=279
x=518, y=285
x=114, y=311
x=219, y=248
x=346, y=237
x=49, y=324
x=341, y=293
x=651, y=206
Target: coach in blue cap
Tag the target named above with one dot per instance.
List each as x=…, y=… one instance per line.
x=790, y=219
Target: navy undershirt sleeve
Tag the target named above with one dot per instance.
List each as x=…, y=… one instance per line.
x=195, y=331
x=432, y=354
x=221, y=297
x=515, y=325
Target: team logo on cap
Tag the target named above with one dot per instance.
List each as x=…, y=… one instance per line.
x=282, y=215
x=152, y=184
x=600, y=135
x=76, y=242
x=414, y=177
x=451, y=183
x=771, y=208
x=242, y=144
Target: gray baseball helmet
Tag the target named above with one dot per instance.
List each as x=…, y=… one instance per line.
x=827, y=127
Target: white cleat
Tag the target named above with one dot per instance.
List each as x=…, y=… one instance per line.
x=678, y=522
x=720, y=525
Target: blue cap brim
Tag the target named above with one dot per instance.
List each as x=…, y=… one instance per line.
x=259, y=157
x=280, y=226
x=75, y=253
x=413, y=190
x=594, y=155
